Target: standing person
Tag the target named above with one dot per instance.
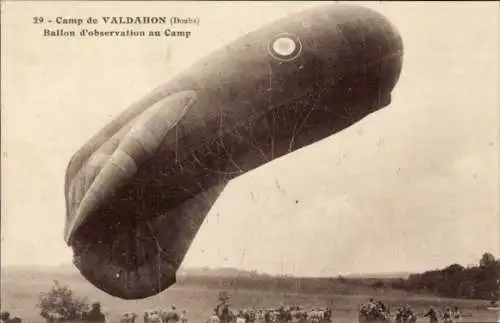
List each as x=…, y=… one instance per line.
x=172, y=316
x=224, y=313
x=213, y=318
x=399, y=315
x=432, y=315
x=184, y=318
x=457, y=316
x=382, y=306
x=4, y=317
x=372, y=304
x=447, y=316
x=95, y=314
x=267, y=316
x=246, y=315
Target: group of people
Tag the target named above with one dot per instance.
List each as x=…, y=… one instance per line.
x=378, y=311
x=405, y=314
x=448, y=316
x=59, y=314
x=6, y=318
x=374, y=310
x=161, y=316
x=95, y=315
x=223, y=314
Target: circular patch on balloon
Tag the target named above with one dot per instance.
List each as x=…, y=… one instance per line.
x=284, y=47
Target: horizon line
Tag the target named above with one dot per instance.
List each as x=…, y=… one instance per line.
x=210, y=268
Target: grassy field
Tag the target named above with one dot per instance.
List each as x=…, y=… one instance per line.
x=20, y=290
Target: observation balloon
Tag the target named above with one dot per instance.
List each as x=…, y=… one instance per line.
x=138, y=191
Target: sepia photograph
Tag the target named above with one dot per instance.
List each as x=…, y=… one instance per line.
x=250, y=162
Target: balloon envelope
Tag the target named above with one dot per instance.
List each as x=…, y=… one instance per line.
x=138, y=191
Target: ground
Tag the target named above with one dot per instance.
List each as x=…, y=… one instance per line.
x=19, y=295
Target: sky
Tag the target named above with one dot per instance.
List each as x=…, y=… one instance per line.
x=409, y=188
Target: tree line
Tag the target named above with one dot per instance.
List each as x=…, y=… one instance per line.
x=474, y=281
x=479, y=281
